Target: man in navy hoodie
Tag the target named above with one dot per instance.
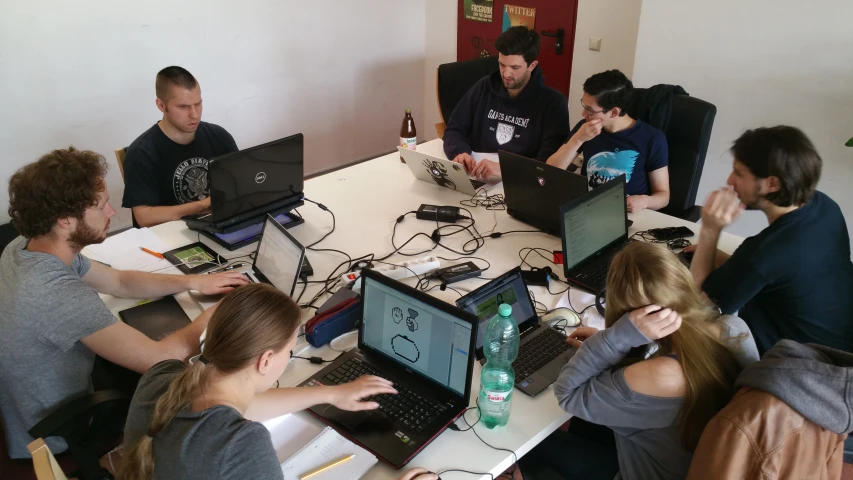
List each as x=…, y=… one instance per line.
x=508, y=110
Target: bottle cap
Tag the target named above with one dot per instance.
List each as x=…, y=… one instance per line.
x=408, y=110
x=504, y=310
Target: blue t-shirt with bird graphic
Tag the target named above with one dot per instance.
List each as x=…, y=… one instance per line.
x=635, y=152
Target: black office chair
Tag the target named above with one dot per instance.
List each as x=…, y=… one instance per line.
x=688, y=134
x=7, y=234
x=91, y=425
x=453, y=80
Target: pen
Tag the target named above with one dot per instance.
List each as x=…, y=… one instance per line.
x=323, y=469
x=229, y=267
x=152, y=252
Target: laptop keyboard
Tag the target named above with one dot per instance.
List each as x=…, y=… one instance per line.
x=536, y=353
x=407, y=407
x=596, y=278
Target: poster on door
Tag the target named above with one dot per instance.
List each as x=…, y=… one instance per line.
x=479, y=10
x=515, y=16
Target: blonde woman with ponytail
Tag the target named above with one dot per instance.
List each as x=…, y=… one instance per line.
x=201, y=421
x=663, y=367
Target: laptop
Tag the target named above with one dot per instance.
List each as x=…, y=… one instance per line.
x=422, y=344
x=156, y=319
x=440, y=171
x=543, y=351
x=248, y=184
x=279, y=258
x=594, y=229
x=534, y=191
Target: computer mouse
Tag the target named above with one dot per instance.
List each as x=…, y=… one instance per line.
x=561, y=317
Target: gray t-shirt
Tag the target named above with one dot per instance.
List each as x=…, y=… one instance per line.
x=45, y=309
x=648, y=440
x=214, y=443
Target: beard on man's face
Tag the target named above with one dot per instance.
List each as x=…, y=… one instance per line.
x=85, y=235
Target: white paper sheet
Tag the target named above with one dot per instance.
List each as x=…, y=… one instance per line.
x=123, y=251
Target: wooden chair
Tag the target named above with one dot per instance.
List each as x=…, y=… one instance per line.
x=44, y=462
x=120, y=159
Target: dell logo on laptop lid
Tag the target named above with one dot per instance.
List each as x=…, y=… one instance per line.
x=260, y=177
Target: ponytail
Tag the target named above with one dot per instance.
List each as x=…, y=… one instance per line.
x=138, y=462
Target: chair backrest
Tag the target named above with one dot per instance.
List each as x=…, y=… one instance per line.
x=7, y=234
x=688, y=136
x=455, y=79
x=44, y=462
x=120, y=159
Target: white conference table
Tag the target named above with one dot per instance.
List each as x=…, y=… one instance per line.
x=367, y=198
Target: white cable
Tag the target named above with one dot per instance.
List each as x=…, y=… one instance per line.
x=344, y=342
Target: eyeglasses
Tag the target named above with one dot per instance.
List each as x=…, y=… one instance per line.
x=591, y=111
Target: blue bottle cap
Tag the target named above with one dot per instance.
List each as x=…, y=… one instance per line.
x=504, y=310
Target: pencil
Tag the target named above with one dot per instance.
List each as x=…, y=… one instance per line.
x=152, y=252
x=323, y=469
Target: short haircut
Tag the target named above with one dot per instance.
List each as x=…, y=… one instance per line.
x=611, y=89
x=61, y=184
x=173, y=76
x=519, y=40
x=785, y=153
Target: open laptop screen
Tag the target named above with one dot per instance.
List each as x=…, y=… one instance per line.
x=279, y=256
x=596, y=221
x=483, y=302
x=418, y=336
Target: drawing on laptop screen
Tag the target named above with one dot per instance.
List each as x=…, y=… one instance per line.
x=278, y=258
x=416, y=335
x=593, y=225
x=511, y=291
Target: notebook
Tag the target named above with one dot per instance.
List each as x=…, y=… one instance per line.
x=326, y=448
x=156, y=319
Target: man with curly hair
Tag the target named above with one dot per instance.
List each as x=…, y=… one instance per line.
x=165, y=169
x=52, y=321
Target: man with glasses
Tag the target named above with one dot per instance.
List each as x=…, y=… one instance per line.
x=511, y=110
x=613, y=143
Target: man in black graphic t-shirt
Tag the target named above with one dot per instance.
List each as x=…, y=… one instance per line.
x=165, y=169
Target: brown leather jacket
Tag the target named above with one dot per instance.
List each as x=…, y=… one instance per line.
x=758, y=436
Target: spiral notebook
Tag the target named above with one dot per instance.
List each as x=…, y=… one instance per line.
x=322, y=448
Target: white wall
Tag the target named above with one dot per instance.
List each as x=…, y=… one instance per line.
x=762, y=63
x=440, y=25
x=616, y=23
x=82, y=73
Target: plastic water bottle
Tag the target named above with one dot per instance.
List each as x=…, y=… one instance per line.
x=497, y=378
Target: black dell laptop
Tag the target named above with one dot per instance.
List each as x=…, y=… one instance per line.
x=534, y=191
x=246, y=185
x=422, y=344
x=543, y=351
x=594, y=229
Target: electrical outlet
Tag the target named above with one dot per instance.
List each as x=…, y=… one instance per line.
x=595, y=44
x=400, y=271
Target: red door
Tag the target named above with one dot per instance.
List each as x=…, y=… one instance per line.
x=476, y=38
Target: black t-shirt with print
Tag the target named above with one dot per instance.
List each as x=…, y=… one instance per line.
x=159, y=172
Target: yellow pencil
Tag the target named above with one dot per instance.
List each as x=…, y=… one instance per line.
x=323, y=469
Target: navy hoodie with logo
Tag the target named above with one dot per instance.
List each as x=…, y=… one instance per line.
x=534, y=124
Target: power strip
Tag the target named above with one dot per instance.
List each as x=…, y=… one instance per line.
x=400, y=271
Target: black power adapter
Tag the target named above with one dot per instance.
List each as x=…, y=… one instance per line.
x=457, y=273
x=437, y=213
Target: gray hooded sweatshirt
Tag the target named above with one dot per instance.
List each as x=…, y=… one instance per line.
x=814, y=380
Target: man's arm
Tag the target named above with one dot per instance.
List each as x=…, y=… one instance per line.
x=583, y=132
x=721, y=208
x=555, y=130
x=149, y=216
x=135, y=284
x=123, y=345
x=659, y=183
x=458, y=131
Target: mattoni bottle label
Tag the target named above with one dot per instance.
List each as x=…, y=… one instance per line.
x=496, y=397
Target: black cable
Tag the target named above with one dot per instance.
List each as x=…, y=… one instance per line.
x=314, y=360
x=453, y=426
x=672, y=244
x=322, y=207
x=465, y=471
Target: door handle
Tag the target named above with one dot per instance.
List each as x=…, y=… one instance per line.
x=560, y=35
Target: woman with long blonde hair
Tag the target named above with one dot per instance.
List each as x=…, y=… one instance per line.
x=664, y=366
x=201, y=420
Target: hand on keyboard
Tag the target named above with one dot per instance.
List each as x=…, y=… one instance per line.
x=350, y=396
x=580, y=335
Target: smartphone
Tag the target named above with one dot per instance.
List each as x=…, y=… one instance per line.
x=535, y=277
x=670, y=233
